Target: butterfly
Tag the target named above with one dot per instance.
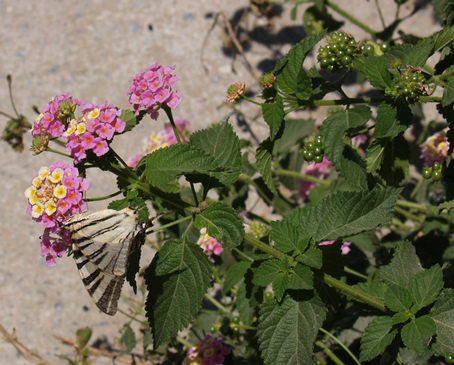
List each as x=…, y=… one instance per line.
x=102, y=242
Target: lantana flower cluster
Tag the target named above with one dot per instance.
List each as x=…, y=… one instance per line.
x=91, y=130
x=54, y=195
x=210, y=351
x=320, y=170
x=345, y=248
x=210, y=245
x=164, y=138
x=435, y=148
x=153, y=88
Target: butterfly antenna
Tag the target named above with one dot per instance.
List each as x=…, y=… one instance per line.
x=147, y=227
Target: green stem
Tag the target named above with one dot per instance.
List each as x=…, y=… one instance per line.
x=250, y=100
x=364, y=100
x=351, y=18
x=382, y=19
x=105, y=197
x=329, y=353
x=58, y=152
x=168, y=111
x=411, y=205
x=355, y=273
x=216, y=303
x=184, y=342
x=408, y=215
x=346, y=349
x=117, y=156
x=282, y=172
x=241, y=253
x=171, y=224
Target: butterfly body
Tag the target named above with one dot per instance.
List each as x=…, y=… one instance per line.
x=101, y=243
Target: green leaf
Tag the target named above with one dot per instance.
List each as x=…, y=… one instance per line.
x=130, y=119
x=287, y=332
x=374, y=156
x=448, y=93
x=279, y=284
x=345, y=213
x=293, y=131
x=83, y=335
x=264, y=162
x=235, y=274
x=401, y=317
x=301, y=278
x=304, y=85
x=398, y=298
x=222, y=223
x=402, y=267
x=377, y=336
x=128, y=338
x=288, y=68
x=376, y=70
x=410, y=54
x=266, y=272
x=313, y=257
x=442, y=39
x=392, y=119
x=373, y=288
x=287, y=237
x=396, y=161
x=443, y=315
x=223, y=145
x=273, y=114
x=164, y=165
x=174, y=299
x=426, y=285
x=243, y=305
x=417, y=333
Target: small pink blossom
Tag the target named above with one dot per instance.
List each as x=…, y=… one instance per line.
x=209, y=244
x=345, y=248
x=209, y=351
x=101, y=147
x=320, y=170
x=435, y=148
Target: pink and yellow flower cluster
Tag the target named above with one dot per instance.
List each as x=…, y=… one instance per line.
x=210, y=245
x=91, y=130
x=435, y=148
x=210, y=351
x=54, y=195
x=164, y=138
x=153, y=88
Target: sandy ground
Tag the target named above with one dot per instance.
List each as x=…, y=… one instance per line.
x=92, y=48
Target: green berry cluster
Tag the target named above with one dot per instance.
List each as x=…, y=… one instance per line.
x=339, y=53
x=313, y=150
x=409, y=85
x=434, y=172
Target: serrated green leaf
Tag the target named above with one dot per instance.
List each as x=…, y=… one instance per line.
x=235, y=274
x=448, y=93
x=373, y=288
x=304, y=85
x=279, y=284
x=128, y=338
x=377, y=336
x=410, y=54
x=417, y=333
x=313, y=257
x=442, y=39
x=130, y=119
x=293, y=131
x=243, y=305
x=376, y=70
x=287, y=237
x=301, y=278
x=400, y=317
x=265, y=273
x=392, y=119
x=443, y=315
x=220, y=142
x=398, y=298
x=164, y=165
x=396, y=161
x=174, y=299
x=273, y=114
x=425, y=286
x=345, y=213
x=374, y=156
x=287, y=332
x=264, y=160
x=404, y=264
x=222, y=223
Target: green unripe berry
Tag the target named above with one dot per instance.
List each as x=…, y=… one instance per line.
x=318, y=158
x=346, y=60
x=268, y=295
x=331, y=68
x=236, y=320
x=213, y=329
x=318, y=142
x=317, y=150
x=449, y=359
x=437, y=175
x=309, y=156
x=384, y=47
x=436, y=166
x=427, y=172
x=324, y=62
x=310, y=146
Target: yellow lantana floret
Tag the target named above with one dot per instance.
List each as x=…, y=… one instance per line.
x=81, y=128
x=37, y=210
x=43, y=172
x=93, y=114
x=36, y=182
x=56, y=175
x=60, y=191
x=50, y=207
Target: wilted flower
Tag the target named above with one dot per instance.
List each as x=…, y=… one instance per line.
x=435, y=148
x=210, y=351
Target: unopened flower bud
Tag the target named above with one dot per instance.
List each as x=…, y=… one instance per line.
x=235, y=91
x=267, y=80
x=39, y=144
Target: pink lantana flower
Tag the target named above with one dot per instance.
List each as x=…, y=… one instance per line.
x=153, y=88
x=320, y=170
x=54, y=195
x=209, y=351
x=345, y=248
x=435, y=148
x=210, y=245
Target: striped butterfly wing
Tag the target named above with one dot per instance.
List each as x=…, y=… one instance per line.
x=102, y=242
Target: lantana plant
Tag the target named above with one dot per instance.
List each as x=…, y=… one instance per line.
x=352, y=261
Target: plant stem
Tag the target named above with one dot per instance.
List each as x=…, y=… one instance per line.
x=184, y=342
x=250, y=100
x=216, y=303
x=241, y=253
x=282, y=172
x=172, y=122
x=411, y=205
x=58, y=152
x=329, y=353
x=364, y=100
x=346, y=349
x=382, y=19
x=351, y=18
x=408, y=215
x=117, y=156
x=171, y=224
x=103, y=197
x=354, y=272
